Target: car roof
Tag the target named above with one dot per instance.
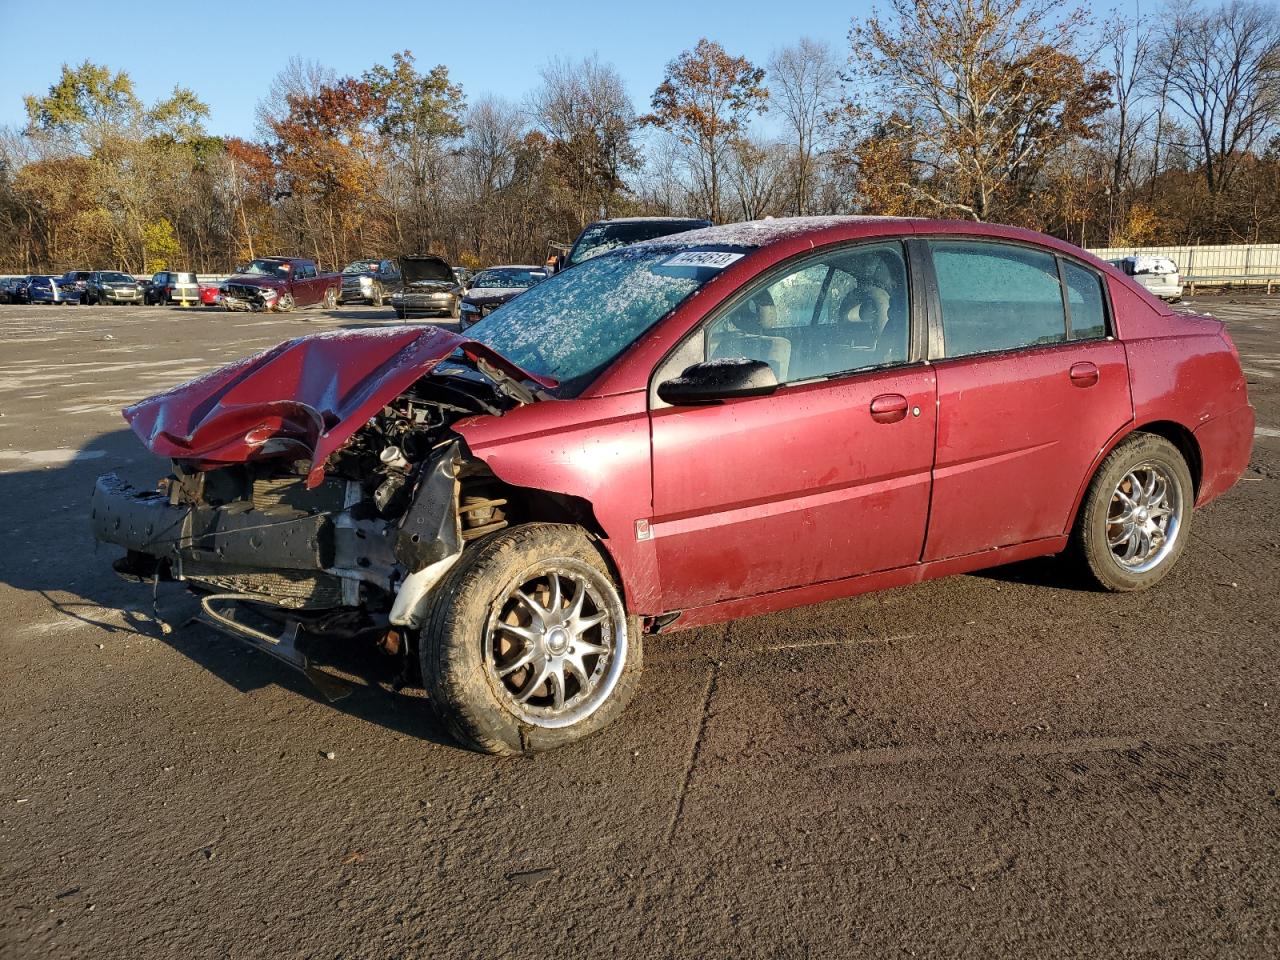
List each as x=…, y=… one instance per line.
x=513, y=266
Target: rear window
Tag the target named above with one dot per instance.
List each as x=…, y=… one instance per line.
x=997, y=297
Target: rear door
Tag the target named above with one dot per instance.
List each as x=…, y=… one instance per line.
x=1030, y=387
x=826, y=478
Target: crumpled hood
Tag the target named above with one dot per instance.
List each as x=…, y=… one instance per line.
x=257, y=280
x=301, y=400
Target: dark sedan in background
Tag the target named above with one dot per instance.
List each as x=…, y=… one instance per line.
x=494, y=286
x=605, y=235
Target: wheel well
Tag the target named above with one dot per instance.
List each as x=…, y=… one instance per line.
x=1184, y=440
x=533, y=505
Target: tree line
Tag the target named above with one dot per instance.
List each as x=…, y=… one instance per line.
x=1130, y=130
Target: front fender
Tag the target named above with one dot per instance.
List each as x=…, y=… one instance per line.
x=596, y=449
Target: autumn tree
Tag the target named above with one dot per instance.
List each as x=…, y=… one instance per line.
x=583, y=110
x=327, y=153
x=994, y=85
x=420, y=121
x=705, y=101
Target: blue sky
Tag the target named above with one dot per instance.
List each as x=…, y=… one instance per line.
x=490, y=47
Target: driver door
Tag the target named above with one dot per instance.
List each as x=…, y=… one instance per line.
x=829, y=477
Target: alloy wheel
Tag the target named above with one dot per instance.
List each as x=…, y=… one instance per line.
x=556, y=643
x=1144, y=517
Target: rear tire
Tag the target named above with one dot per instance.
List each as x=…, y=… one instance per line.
x=1135, y=520
x=330, y=298
x=528, y=646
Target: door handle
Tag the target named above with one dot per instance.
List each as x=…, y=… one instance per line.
x=1084, y=374
x=889, y=408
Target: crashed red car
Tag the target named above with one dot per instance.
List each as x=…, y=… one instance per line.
x=706, y=426
x=279, y=284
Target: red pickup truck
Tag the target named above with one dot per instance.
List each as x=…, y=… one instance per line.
x=280, y=283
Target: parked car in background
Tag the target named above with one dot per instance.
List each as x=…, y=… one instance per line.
x=169, y=286
x=1158, y=274
x=45, y=289
x=464, y=275
x=108, y=286
x=427, y=287
x=9, y=288
x=698, y=428
x=605, y=235
x=369, y=281
x=280, y=283
x=211, y=294
x=74, y=283
x=492, y=287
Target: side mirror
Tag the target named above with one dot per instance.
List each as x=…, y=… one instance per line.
x=714, y=380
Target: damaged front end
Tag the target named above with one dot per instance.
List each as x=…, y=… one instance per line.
x=249, y=297
x=336, y=511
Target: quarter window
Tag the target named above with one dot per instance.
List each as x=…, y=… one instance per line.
x=997, y=297
x=1084, y=294
x=837, y=312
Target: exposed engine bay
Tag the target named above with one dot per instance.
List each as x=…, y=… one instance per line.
x=359, y=552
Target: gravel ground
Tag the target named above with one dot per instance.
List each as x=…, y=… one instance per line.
x=1004, y=764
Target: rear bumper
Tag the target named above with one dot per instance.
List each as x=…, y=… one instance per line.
x=1225, y=445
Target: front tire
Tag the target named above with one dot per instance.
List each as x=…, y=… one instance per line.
x=1136, y=517
x=529, y=646
x=285, y=303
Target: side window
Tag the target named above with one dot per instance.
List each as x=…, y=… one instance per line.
x=858, y=296
x=1084, y=294
x=997, y=297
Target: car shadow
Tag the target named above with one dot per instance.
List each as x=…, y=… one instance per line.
x=1057, y=571
x=54, y=558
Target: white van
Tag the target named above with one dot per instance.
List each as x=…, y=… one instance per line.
x=1158, y=274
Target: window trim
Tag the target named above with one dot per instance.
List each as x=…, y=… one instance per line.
x=916, y=315
x=937, y=334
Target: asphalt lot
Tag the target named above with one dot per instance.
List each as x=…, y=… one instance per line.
x=1005, y=764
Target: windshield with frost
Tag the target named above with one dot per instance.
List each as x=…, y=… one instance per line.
x=576, y=323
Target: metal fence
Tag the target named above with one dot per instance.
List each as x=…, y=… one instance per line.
x=1235, y=265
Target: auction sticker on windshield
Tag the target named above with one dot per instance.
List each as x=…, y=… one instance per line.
x=714, y=259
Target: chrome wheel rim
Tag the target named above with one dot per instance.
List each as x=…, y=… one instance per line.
x=1144, y=517
x=555, y=643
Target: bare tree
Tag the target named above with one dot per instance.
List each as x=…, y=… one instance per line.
x=1223, y=70
x=486, y=167
x=757, y=173
x=804, y=79
x=300, y=77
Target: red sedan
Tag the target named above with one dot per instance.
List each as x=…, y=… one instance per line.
x=705, y=426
